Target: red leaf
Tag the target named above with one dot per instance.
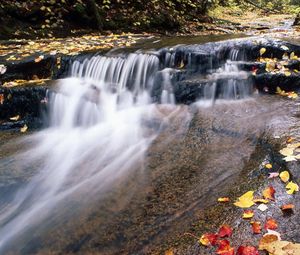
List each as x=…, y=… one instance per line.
x=271, y=224
x=247, y=250
x=224, y=248
x=208, y=239
x=225, y=231
x=256, y=227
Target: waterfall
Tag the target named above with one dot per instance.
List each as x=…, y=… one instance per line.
x=98, y=132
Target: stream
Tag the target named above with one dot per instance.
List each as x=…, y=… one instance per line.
x=138, y=144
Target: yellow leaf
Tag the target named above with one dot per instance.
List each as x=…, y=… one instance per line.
x=292, y=188
x=246, y=200
x=287, y=73
x=223, y=199
x=15, y=118
x=284, y=176
x=268, y=166
x=248, y=214
x=24, y=129
x=287, y=151
x=262, y=51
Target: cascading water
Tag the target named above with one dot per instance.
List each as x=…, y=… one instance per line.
x=97, y=132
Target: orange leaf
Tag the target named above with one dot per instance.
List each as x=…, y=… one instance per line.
x=288, y=207
x=224, y=248
x=269, y=193
x=208, y=239
x=223, y=199
x=248, y=214
x=256, y=227
x=225, y=231
x=247, y=250
x=290, y=139
x=271, y=224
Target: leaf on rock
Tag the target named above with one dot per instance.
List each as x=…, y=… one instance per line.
x=208, y=239
x=15, y=118
x=248, y=214
x=287, y=207
x=268, y=166
x=269, y=193
x=284, y=176
x=262, y=51
x=246, y=200
x=39, y=59
x=273, y=175
x=224, y=248
x=225, y=231
x=24, y=129
x=287, y=151
x=281, y=248
x=223, y=199
x=260, y=201
x=3, y=69
x=256, y=227
x=247, y=250
x=271, y=224
x=262, y=207
x=292, y=188
x=1, y=99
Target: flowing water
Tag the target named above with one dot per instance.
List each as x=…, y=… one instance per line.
x=116, y=125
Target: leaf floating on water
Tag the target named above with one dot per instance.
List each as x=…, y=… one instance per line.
x=284, y=176
x=24, y=129
x=15, y=118
x=292, y=188
x=223, y=199
x=271, y=224
x=262, y=51
x=269, y=193
x=246, y=200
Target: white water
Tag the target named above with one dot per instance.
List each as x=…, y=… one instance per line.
x=96, y=137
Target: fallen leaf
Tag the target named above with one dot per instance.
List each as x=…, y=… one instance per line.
x=281, y=248
x=3, y=69
x=1, y=99
x=223, y=199
x=39, y=59
x=292, y=188
x=224, y=248
x=225, y=231
x=262, y=51
x=268, y=166
x=290, y=158
x=247, y=250
x=260, y=201
x=246, y=200
x=290, y=139
x=208, y=239
x=256, y=227
x=271, y=224
x=287, y=207
x=248, y=214
x=287, y=151
x=284, y=176
x=15, y=118
x=274, y=233
x=269, y=193
x=262, y=207
x=24, y=129
x=169, y=252
x=284, y=47
x=273, y=175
